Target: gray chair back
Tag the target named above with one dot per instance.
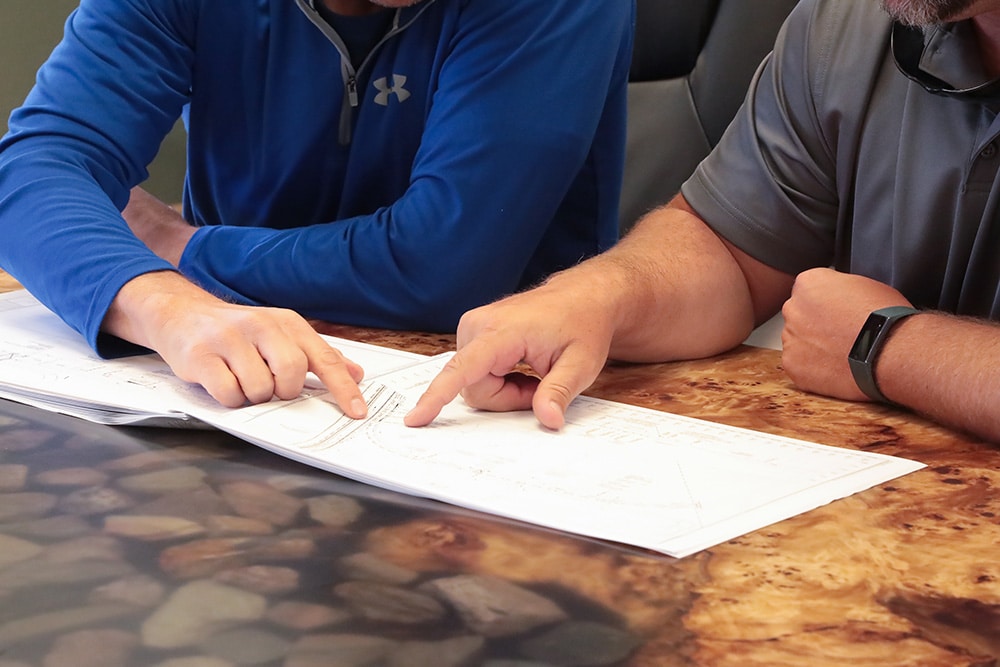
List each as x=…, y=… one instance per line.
x=691, y=65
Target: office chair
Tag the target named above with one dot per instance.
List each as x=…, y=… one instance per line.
x=692, y=62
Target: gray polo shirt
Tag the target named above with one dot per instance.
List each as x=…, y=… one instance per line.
x=839, y=158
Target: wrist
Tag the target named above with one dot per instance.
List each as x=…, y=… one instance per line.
x=142, y=304
x=869, y=344
x=603, y=289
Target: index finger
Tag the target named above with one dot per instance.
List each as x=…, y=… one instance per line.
x=470, y=365
x=340, y=376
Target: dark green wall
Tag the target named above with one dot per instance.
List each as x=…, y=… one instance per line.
x=29, y=29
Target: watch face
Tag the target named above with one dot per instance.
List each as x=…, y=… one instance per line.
x=866, y=347
x=866, y=337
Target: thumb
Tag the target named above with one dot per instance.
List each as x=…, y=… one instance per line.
x=573, y=372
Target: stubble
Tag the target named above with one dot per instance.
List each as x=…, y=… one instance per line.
x=925, y=12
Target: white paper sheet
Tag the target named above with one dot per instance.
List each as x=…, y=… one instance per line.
x=633, y=475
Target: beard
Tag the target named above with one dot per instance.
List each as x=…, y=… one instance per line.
x=925, y=12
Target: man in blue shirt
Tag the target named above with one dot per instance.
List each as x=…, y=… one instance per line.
x=387, y=163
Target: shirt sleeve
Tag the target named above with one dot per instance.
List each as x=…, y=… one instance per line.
x=523, y=92
x=66, y=170
x=769, y=187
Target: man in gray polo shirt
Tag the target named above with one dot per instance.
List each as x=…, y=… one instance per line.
x=868, y=143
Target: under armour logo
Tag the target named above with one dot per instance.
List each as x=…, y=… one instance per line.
x=385, y=90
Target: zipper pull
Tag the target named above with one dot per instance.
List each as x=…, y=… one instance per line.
x=352, y=91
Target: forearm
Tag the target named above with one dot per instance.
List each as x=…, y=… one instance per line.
x=72, y=251
x=67, y=164
x=947, y=368
x=159, y=226
x=672, y=289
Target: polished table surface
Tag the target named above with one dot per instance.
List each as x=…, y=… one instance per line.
x=183, y=548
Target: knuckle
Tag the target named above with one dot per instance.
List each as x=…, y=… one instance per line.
x=454, y=366
x=563, y=393
x=329, y=357
x=231, y=400
x=475, y=395
x=258, y=391
x=291, y=363
x=259, y=397
x=285, y=394
x=228, y=393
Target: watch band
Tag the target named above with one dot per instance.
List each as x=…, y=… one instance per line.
x=869, y=343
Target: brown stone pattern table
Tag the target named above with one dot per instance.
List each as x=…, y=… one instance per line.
x=183, y=548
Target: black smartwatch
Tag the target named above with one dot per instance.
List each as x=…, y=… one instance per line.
x=869, y=342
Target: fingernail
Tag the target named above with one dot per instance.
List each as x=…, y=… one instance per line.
x=358, y=408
